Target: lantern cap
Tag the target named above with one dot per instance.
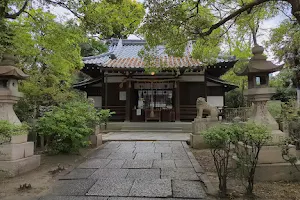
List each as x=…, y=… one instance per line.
x=8, y=69
x=259, y=64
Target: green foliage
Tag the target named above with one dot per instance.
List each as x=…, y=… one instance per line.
x=235, y=98
x=275, y=109
x=103, y=116
x=67, y=127
x=112, y=19
x=165, y=23
x=251, y=138
x=247, y=140
x=219, y=139
x=92, y=48
x=285, y=43
x=8, y=129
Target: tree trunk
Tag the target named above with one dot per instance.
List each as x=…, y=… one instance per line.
x=295, y=9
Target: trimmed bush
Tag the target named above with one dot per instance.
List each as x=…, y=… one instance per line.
x=67, y=127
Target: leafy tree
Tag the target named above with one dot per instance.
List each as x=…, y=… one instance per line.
x=92, y=47
x=285, y=43
x=210, y=23
x=112, y=19
x=106, y=18
x=49, y=52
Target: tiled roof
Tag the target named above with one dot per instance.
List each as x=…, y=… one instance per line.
x=125, y=54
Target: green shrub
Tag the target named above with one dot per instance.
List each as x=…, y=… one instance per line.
x=274, y=107
x=251, y=139
x=247, y=140
x=8, y=129
x=219, y=139
x=67, y=127
x=103, y=116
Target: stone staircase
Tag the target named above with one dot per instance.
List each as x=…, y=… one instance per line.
x=173, y=127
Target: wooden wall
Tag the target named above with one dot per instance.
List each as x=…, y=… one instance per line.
x=189, y=92
x=113, y=101
x=215, y=91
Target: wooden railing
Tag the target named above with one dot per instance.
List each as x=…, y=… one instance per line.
x=243, y=113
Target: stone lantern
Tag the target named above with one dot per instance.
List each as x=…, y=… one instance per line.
x=17, y=155
x=271, y=166
x=259, y=92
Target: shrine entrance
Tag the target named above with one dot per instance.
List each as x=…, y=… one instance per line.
x=154, y=100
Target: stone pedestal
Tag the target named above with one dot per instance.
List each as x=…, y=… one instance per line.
x=96, y=138
x=198, y=126
x=17, y=157
x=13, y=168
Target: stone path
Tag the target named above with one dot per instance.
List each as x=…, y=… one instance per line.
x=134, y=171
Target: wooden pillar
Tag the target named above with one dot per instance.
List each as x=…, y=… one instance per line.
x=128, y=101
x=177, y=101
x=205, y=86
x=106, y=90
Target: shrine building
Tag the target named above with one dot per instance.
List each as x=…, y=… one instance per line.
x=119, y=82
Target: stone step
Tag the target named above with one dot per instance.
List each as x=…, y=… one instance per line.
x=148, y=130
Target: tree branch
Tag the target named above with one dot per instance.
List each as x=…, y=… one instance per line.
x=17, y=14
x=64, y=6
x=232, y=15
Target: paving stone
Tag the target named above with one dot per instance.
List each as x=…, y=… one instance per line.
x=148, y=156
x=94, y=163
x=109, y=173
x=174, y=156
x=125, y=149
x=121, y=155
x=115, y=164
x=176, y=144
x=178, y=150
x=101, y=154
x=163, y=150
x=112, y=145
x=145, y=174
x=72, y=187
x=179, y=174
x=151, y=188
x=79, y=174
x=72, y=198
x=183, y=164
x=136, y=164
x=147, y=149
x=188, y=189
x=144, y=144
x=127, y=144
x=163, y=164
x=111, y=187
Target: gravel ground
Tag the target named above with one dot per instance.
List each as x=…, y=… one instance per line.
x=262, y=190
